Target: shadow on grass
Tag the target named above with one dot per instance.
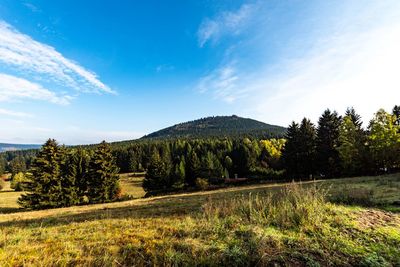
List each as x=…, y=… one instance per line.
x=166, y=207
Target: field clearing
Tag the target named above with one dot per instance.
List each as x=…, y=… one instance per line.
x=174, y=229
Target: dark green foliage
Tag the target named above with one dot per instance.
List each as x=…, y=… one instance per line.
x=61, y=177
x=3, y=164
x=68, y=194
x=300, y=151
x=355, y=118
x=291, y=155
x=17, y=165
x=103, y=176
x=328, y=163
x=44, y=179
x=220, y=126
x=80, y=159
x=157, y=175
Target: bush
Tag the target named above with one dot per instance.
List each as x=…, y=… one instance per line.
x=201, y=183
x=17, y=181
x=267, y=174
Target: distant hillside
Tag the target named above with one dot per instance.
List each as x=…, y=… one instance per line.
x=13, y=147
x=219, y=126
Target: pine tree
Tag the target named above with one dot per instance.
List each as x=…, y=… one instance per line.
x=328, y=161
x=81, y=161
x=193, y=168
x=43, y=180
x=290, y=155
x=179, y=175
x=355, y=118
x=68, y=168
x=156, y=175
x=306, y=148
x=103, y=176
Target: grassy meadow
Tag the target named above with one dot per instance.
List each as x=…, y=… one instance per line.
x=344, y=222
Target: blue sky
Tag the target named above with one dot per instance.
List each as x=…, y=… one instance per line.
x=84, y=71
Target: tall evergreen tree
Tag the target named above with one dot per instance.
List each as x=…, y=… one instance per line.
x=68, y=175
x=193, y=168
x=3, y=164
x=291, y=155
x=179, y=174
x=307, y=148
x=328, y=161
x=81, y=160
x=43, y=185
x=355, y=118
x=103, y=176
x=156, y=175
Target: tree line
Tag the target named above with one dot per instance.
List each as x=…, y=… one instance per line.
x=340, y=146
x=337, y=146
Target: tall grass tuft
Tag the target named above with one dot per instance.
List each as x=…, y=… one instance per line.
x=292, y=207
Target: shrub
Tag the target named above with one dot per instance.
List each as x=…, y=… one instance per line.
x=201, y=183
x=17, y=181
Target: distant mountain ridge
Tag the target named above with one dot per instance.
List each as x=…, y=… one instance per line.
x=13, y=147
x=219, y=126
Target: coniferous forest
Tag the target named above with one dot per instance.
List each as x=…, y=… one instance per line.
x=337, y=146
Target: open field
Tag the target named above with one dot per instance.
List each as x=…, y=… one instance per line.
x=212, y=228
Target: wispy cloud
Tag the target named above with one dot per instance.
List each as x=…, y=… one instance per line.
x=13, y=88
x=357, y=69
x=42, y=61
x=221, y=83
x=352, y=61
x=12, y=113
x=225, y=23
x=32, y=7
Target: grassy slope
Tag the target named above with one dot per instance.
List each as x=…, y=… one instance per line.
x=173, y=229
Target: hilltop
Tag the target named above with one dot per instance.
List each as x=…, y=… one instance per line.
x=219, y=126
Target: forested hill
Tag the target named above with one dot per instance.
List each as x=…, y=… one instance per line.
x=219, y=126
x=12, y=147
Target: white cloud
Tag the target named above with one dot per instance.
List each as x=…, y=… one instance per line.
x=222, y=83
x=40, y=60
x=32, y=7
x=357, y=69
x=13, y=88
x=354, y=62
x=12, y=113
x=224, y=23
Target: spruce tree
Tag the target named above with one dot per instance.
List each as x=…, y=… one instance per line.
x=103, y=176
x=355, y=118
x=290, y=155
x=156, y=175
x=328, y=162
x=81, y=160
x=306, y=148
x=193, y=168
x=179, y=174
x=68, y=167
x=43, y=185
